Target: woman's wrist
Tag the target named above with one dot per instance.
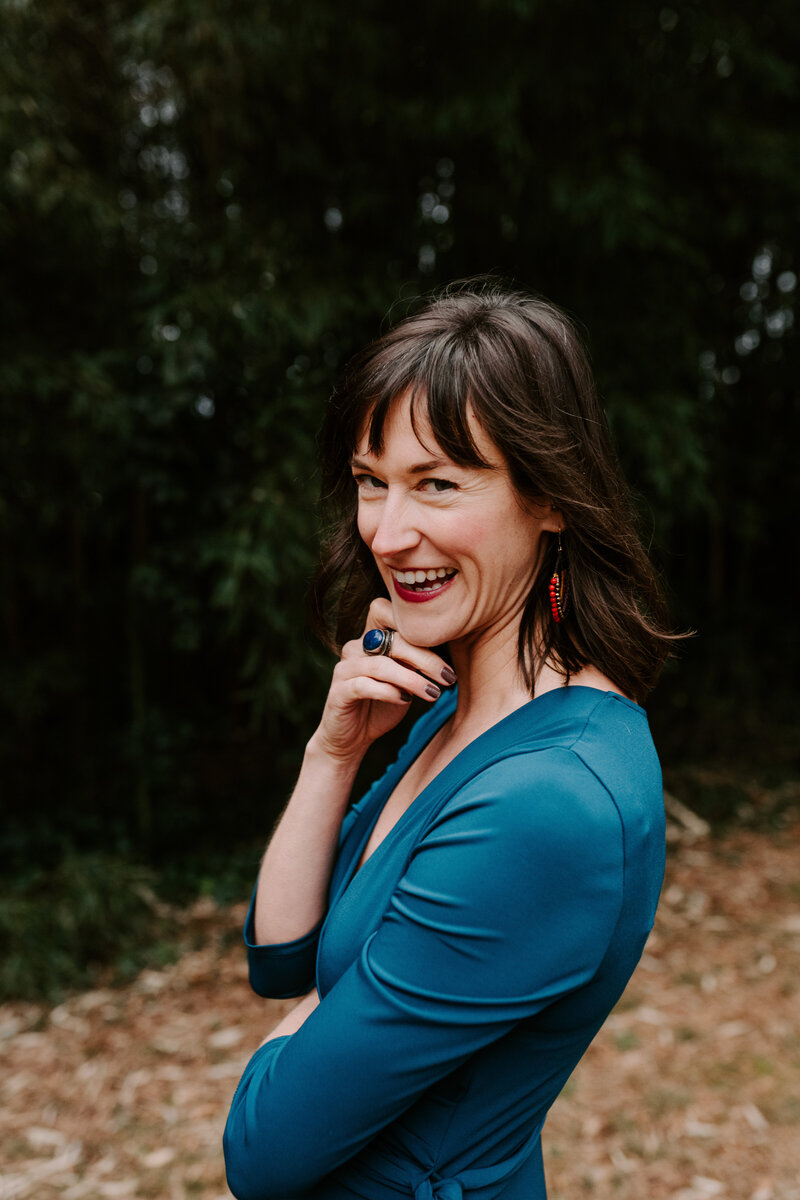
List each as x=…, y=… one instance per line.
x=320, y=755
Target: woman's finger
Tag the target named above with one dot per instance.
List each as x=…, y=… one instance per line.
x=420, y=658
x=355, y=664
x=380, y=614
x=363, y=688
x=417, y=658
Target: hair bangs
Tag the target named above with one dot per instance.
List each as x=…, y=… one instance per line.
x=438, y=389
x=447, y=394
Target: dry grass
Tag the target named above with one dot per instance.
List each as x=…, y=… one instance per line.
x=692, y=1089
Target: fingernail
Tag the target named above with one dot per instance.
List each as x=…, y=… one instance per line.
x=406, y=696
x=433, y=691
x=448, y=675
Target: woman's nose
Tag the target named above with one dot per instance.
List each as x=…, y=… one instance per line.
x=396, y=530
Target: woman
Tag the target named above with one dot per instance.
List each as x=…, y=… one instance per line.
x=461, y=932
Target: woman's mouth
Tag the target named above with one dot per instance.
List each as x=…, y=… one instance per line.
x=422, y=584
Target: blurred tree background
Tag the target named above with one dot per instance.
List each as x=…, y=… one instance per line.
x=204, y=210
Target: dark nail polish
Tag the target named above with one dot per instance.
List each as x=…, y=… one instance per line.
x=406, y=696
x=448, y=675
x=433, y=691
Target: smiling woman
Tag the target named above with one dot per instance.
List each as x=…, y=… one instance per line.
x=459, y=933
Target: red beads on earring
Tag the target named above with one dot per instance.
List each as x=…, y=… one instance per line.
x=555, y=598
x=558, y=588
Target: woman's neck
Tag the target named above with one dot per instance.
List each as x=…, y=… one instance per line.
x=491, y=685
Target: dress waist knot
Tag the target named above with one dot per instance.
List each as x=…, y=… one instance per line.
x=438, y=1189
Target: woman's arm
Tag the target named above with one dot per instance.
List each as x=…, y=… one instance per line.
x=368, y=696
x=296, y=868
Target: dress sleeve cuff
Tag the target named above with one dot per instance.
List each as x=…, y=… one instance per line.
x=282, y=969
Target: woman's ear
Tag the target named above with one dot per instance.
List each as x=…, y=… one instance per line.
x=555, y=522
x=550, y=515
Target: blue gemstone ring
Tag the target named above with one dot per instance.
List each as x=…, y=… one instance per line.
x=378, y=641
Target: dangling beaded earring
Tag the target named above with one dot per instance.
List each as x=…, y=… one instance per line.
x=558, y=588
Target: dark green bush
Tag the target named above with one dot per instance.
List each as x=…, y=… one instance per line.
x=93, y=916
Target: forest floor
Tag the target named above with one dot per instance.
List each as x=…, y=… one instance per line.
x=690, y=1091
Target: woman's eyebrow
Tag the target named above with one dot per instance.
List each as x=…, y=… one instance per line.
x=433, y=464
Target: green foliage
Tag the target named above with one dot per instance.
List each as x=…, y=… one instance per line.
x=204, y=211
x=60, y=928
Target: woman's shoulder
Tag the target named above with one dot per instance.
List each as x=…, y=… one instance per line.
x=577, y=757
x=587, y=720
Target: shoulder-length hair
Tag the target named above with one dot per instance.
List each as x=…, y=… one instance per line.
x=516, y=363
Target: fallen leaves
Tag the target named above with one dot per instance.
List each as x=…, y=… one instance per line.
x=124, y=1093
x=704, y=1102
x=690, y=1091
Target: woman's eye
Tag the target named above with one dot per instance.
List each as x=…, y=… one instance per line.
x=366, y=483
x=437, y=485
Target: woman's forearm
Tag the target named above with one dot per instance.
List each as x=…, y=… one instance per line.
x=297, y=864
x=295, y=1017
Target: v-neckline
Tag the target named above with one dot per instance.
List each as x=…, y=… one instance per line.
x=443, y=709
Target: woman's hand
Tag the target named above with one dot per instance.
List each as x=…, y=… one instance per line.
x=370, y=693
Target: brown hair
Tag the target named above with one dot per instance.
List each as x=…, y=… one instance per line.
x=516, y=362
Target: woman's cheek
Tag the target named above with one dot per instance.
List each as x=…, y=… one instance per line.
x=366, y=527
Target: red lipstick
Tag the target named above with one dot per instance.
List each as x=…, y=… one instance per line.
x=406, y=593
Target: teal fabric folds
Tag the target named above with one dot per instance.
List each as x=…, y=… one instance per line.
x=464, y=969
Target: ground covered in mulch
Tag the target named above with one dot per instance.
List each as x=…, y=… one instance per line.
x=691, y=1090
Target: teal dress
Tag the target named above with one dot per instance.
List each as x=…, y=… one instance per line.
x=464, y=969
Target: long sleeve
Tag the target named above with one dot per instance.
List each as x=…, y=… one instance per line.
x=509, y=902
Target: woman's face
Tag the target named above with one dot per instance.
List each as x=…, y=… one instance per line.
x=456, y=546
